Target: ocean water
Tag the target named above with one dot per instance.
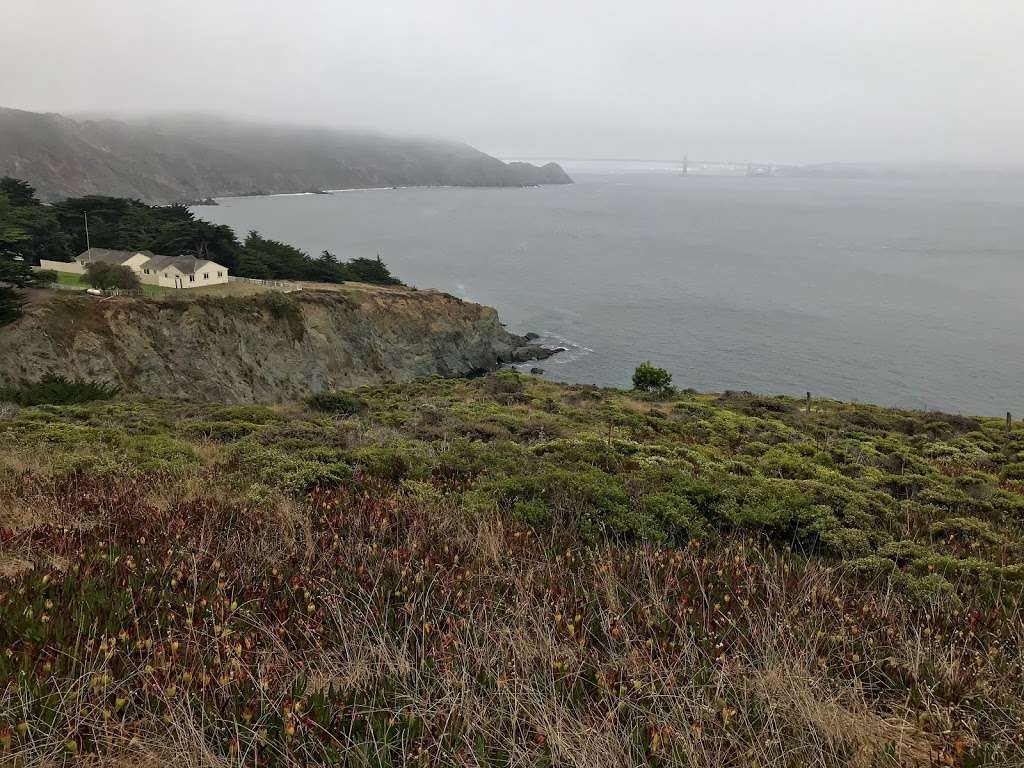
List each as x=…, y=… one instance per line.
x=901, y=292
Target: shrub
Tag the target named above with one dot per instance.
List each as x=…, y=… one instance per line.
x=533, y=512
x=221, y=431
x=343, y=403
x=647, y=378
x=159, y=454
x=110, y=276
x=282, y=469
x=1013, y=471
x=58, y=390
x=503, y=384
x=780, y=462
x=253, y=414
x=675, y=515
x=45, y=277
x=968, y=529
x=926, y=591
x=392, y=463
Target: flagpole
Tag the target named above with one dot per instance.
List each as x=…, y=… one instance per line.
x=88, y=246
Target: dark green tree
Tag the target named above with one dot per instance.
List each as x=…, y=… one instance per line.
x=19, y=274
x=327, y=268
x=12, y=236
x=28, y=228
x=58, y=232
x=19, y=192
x=11, y=304
x=110, y=222
x=181, y=232
x=15, y=275
x=250, y=264
x=648, y=378
x=369, y=271
x=283, y=261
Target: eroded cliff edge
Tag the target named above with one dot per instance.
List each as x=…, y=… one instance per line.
x=264, y=348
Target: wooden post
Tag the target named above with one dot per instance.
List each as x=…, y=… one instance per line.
x=808, y=402
x=1009, y=422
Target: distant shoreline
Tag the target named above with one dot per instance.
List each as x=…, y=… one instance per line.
x=245, y=196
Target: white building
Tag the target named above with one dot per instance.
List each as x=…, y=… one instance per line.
x=152, y=269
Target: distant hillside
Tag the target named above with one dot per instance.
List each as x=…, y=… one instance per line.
x=183, y=158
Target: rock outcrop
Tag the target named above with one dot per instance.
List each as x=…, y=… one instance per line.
x=264, y=348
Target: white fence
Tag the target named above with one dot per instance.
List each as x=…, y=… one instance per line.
x=285, y=285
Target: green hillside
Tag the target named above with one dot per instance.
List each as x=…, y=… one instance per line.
x=507, y=571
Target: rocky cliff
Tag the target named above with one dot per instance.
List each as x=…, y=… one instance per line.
x=265, y=348
x=170, y=159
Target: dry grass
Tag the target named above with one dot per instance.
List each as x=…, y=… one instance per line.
x=470, y=640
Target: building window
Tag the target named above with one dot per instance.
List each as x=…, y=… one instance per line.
x=146, y=271
x=191, y=278
x=206, y=275
x=220, y=274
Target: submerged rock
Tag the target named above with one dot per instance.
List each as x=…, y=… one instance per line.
x=528, y=352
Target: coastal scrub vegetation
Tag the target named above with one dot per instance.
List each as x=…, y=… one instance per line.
x=507, y=571
x=341, y=402
x=57, y=232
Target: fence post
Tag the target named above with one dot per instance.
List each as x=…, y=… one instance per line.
x=808, y=402
x=1009, y=422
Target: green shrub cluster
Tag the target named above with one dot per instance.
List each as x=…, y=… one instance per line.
x=58, y=390
x=893, y=492
x=338, y=402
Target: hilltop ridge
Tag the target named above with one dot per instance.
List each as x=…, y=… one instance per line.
x=188, y=157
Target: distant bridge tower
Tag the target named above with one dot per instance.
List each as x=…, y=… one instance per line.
x=686, y=165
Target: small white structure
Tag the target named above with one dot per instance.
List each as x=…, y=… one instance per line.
x=152, y=269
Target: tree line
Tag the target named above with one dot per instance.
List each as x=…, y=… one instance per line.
x=35, y=231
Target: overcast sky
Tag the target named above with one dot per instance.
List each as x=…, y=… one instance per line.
x=745, y=80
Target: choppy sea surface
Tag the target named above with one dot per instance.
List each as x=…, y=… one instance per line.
x=901, y=292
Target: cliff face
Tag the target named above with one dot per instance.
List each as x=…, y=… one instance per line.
x=171, y=159
x=265, y=348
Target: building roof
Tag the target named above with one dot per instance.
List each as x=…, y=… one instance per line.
x=187, y=265
x=107, y=255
